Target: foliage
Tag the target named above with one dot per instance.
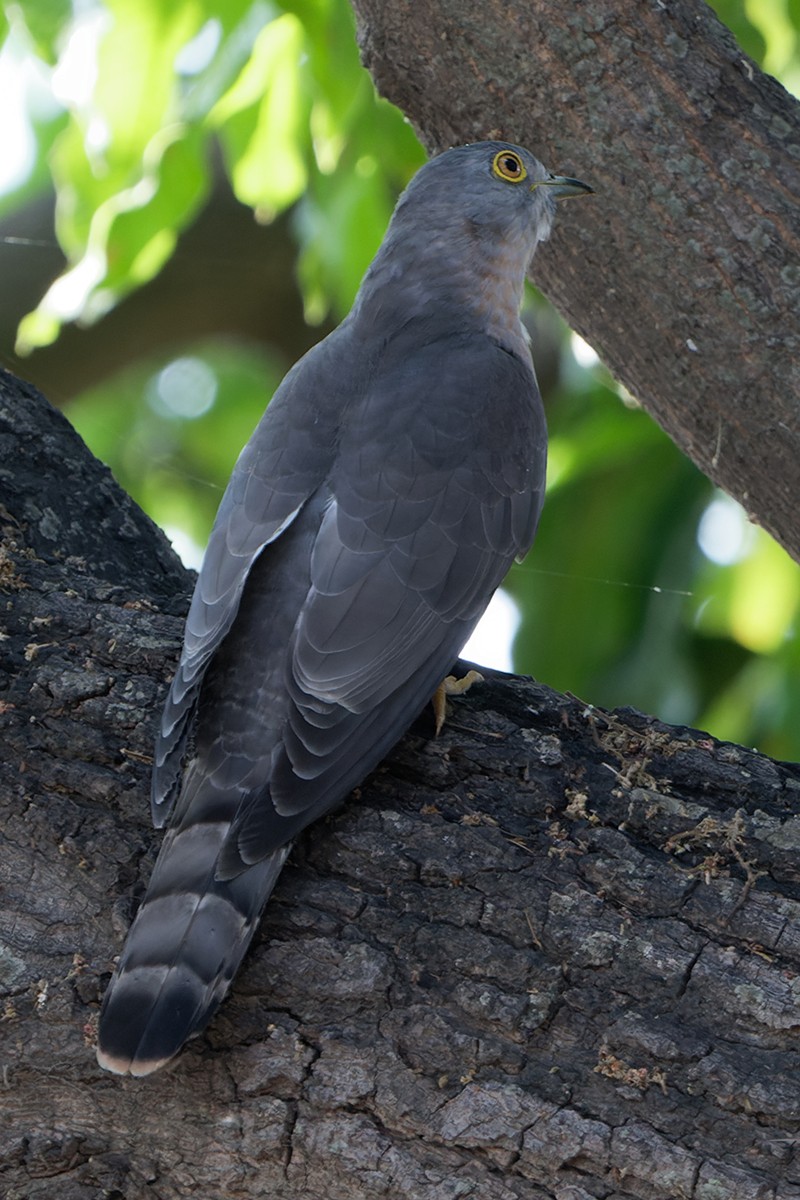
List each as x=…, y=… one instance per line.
x=172, y=427
x=285, y=95
x=619, y=602
x=634, y=610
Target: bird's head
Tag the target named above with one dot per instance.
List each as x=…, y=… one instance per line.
x=461, y=240
x=497, y=192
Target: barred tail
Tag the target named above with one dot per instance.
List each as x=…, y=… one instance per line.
x=183, y=948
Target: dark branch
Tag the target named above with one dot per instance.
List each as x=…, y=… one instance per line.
x=553, y=952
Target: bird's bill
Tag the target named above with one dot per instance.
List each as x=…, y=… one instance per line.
x=561, y=186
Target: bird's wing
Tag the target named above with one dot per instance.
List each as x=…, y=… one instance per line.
x=437, y=487
x=279, y=468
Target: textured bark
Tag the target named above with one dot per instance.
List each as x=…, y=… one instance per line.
x=551, y=954
x=683, y=271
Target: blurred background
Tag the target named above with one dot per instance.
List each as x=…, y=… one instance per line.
x=190, y=191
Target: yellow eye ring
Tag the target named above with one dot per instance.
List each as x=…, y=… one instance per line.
x=508, y=165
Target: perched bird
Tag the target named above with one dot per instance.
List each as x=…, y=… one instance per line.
x=397, y=473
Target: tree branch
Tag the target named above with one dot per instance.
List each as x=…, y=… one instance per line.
x=682, y=271
x=552, y=953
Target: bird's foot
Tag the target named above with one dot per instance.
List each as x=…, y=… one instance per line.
x=451, y=687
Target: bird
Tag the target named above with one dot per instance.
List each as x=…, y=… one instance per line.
x=397, y=473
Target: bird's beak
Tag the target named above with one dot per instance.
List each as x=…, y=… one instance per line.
x=562, y=186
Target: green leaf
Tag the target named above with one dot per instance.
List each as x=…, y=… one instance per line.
x=335, y=67
x=240, y=23
x=136, y=92
x=131, y=235
x=263, y=121
x=128, y=174
x=104, y=150
x=341, y=223
x=45, y=21
x=145, y=225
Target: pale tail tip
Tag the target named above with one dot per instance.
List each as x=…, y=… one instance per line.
x=127, y=1066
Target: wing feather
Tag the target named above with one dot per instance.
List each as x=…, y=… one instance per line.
x=436, y=488
x=281, y=466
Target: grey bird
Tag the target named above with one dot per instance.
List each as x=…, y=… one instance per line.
x=397, y=473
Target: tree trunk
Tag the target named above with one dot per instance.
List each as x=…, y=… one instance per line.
x=552, y=953
x=683, y=271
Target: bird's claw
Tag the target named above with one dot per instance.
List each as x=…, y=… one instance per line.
x=451, y=686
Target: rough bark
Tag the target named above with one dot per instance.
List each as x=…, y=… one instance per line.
x=551, y=954
x=682, y=272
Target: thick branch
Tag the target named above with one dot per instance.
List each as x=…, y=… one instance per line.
x=553, y=953
x=682, y=271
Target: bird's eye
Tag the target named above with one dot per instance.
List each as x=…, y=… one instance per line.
x=508, y=165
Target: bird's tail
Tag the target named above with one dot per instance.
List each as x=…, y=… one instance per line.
x=183, y=948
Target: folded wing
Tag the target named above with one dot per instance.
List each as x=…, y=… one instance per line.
x=437, y=488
